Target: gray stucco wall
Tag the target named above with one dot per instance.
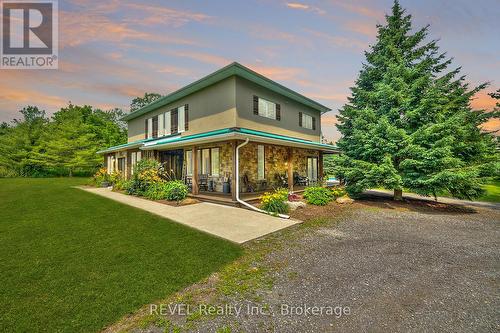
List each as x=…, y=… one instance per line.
x=289, y=123
x=209, y=109
x=229, y=103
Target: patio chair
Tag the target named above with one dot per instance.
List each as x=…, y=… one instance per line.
x=203, y=182
x=300, y=180
x=246, y=184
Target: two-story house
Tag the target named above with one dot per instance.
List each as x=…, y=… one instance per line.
x=231, y=117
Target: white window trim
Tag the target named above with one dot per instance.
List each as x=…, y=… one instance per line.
x=308, y=125
x=168, y=123
x=150, y=128
x=181, y=119
x=189, y=163
x=267, y=113
x=212, y=173
x=261, y=150
x=161, y=126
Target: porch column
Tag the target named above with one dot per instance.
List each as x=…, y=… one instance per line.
x=195, y=189
x=320, y=168
x=290, y=169
x=233, y=176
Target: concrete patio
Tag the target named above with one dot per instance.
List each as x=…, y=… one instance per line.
x=231, y=223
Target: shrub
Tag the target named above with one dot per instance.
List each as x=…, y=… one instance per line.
x=338, y=192
x=176, y=190
x=274, y=202
x=173, y=190
x=122, y=184
x=147, y=164
x=156, y=191
x=100, y=177
x=115, y=177
x=317, y=195
x=145, y=176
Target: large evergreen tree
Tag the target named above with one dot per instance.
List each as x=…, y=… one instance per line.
x=409, y=123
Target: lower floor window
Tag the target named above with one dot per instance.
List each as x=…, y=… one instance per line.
x=208, y=161
x=312, y=168
x=121, y=164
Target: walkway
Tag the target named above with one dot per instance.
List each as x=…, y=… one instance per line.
x=234, y=224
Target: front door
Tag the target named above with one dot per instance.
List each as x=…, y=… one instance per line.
x=172, y=161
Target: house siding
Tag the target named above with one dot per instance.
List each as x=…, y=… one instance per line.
x=209, y=109
x=289, y=123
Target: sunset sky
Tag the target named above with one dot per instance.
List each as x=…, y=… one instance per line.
x=112, y=51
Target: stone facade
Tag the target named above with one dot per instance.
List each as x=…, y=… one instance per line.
x=275, y=164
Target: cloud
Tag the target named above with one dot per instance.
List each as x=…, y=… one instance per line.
x=160, y=15
x=359, y=9
x=329, y=119
x=338, y=41
x=77, y=28
x=277, y=72
x=362, y=27
x=491, y=125
x=201, y=57
x=302, y=6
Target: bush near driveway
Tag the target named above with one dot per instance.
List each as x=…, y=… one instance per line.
x=316, y=195
x=72, y=261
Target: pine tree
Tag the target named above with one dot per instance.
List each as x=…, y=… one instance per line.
x=409, y=123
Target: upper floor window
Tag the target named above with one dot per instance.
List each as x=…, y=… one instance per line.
x=170, y=122
x=307, y=121
x=265, y=108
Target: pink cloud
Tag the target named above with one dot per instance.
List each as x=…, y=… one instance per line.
x=339, y=41
x=303, y=6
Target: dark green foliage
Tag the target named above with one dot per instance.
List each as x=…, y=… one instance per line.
x=319, y=196
x=176, y=190
x=140, y=102
x=409, y=124
x=73, y=261
x=64, y=145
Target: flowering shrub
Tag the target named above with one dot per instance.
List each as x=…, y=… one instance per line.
x=317, y=195
x=100, y=177
x=115, y=177
x=274, y=202
x=145, y=176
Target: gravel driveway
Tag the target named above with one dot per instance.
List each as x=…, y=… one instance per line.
x=381, y=267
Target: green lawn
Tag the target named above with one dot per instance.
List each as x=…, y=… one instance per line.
x=492, y=192
x=71, y=261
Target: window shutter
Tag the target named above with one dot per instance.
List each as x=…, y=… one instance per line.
x=278, y=112
x=300, y=119
x=145, y=129
x=168, y=123
x=255, y=105
x=186, y=116
x=161, y=125
x=314, y=123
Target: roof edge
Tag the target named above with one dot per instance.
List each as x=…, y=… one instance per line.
x=233, y=68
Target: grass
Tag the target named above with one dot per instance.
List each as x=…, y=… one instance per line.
x=71, y=261
x=492, y=192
